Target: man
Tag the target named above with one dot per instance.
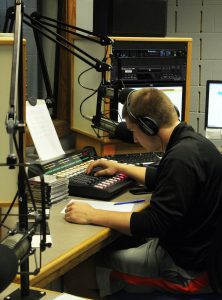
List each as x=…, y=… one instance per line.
x=184, y=209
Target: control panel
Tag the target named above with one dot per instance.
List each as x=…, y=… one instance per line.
x=141, y=62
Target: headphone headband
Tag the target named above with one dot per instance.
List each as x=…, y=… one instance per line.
x=128, y=104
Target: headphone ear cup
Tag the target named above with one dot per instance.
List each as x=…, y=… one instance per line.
x=148, y=125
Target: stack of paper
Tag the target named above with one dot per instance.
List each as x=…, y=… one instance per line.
x=56, y=189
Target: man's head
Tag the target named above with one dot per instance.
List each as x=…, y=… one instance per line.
x=150, y=110
x=152, y=107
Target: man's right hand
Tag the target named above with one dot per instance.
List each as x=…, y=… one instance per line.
x=108, y=167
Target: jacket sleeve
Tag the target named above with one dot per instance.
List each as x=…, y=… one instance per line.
x=176, y=184
x=150, y=178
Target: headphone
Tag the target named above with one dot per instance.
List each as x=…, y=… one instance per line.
x=148, y=125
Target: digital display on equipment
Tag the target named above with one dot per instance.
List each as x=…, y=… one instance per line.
x=176, y=94
x=213, y=110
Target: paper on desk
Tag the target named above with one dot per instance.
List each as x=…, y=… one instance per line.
x=36, y=239
x=106, y=205
x=42, y=131
x=65, y=296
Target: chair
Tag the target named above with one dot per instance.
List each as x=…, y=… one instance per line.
x=215, y=261
x=214, y=264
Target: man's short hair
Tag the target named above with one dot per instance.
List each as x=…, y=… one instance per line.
x=152, y=103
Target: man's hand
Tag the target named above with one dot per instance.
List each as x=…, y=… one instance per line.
x=111, y=167
x=80, y=213
x=83, y=213
x=108, y=167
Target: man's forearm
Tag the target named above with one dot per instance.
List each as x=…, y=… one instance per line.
x=119, y=221
x=137, y=173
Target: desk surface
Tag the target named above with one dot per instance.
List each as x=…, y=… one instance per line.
x=72, y=243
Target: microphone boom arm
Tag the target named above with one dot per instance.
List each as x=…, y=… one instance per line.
x=102, y=40
x=97, y=64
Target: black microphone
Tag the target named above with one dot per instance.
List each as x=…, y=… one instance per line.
x=124, y=94
x=116, y=130
x=122, y=133
x=104, y=124
x=12, y=249
x=110, y=92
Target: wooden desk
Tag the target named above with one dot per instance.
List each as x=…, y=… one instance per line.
x=72, y=244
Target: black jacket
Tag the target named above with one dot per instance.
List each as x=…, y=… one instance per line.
x=186, y=204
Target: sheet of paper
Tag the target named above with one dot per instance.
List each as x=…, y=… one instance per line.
x=106, y=205
x=36, y=240
x=42, y=131
x=66, y=296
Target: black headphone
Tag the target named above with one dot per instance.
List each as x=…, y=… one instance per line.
x=146, y=124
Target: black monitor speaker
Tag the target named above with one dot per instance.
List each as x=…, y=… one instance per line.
x=143, y=18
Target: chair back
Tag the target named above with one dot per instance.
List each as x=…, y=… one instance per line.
x=214, y=263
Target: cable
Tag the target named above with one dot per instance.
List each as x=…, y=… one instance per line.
x=84, y=100
x=82, y=73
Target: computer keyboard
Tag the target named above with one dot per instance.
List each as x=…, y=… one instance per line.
x=140, y=159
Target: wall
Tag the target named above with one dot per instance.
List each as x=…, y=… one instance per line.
x=200, y=20
x=47, y=8
x=91, y=78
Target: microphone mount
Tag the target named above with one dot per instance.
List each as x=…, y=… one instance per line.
x=41, y=25
x=114, y=92
x=100, y=39
x=14, y=124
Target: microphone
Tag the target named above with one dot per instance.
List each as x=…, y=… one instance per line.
x=12, y=249
x=104, y=124
x=111, y=93
x=122, y=133
x=116, y=130
x=124, y=94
